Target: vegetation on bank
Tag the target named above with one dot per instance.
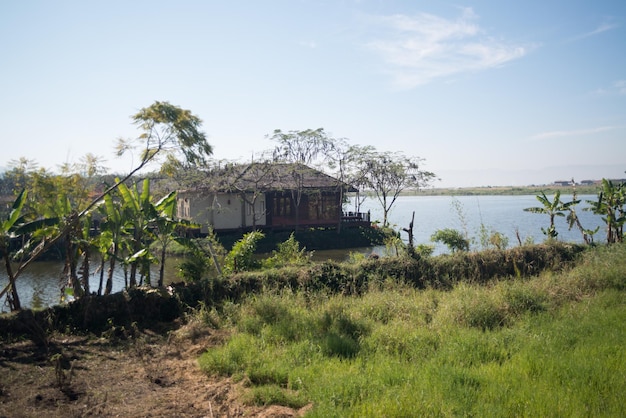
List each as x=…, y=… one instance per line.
x=503, y=190
x=550, y=345
x=465, y=333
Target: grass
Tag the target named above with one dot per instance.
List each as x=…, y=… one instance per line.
x=546, y=346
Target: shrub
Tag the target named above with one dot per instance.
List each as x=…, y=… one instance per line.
x=288, y=253
x=453, y=239
x=241, y=257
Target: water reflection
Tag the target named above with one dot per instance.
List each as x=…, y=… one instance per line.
x=41, y=283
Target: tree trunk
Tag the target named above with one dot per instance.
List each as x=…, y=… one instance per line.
x=109, y=286
x=162, y=268
x=409, y=231
x=13, y=298
x=101, y=276
x=85, y=272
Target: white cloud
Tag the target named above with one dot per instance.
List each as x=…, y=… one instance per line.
x=600, y=29
x=579, y=132
x=425, y=47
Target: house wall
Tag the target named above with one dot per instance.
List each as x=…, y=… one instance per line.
x=222, y=211
x=315, y=209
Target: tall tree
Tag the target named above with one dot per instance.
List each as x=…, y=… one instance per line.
x=168, y=130
x=250, y=182
x=353, y=160
x=388, y=174
x=301, y=149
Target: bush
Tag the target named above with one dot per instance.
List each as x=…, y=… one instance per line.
x=241, y=257
x=288, y=253
x=452, y=238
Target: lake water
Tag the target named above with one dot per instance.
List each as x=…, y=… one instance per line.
x=39, y=285
x=504, y=214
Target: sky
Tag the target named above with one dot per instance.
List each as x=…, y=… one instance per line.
x=488, y=93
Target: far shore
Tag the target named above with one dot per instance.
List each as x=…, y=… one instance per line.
x=505, y=190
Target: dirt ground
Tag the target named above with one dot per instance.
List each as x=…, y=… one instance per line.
x=149, y=374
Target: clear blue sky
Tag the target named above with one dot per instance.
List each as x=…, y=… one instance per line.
x=488, y=92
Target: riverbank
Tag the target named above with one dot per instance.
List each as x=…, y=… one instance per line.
x=496, y=344
x=504, y=190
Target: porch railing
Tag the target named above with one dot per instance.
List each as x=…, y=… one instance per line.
x=355, y=216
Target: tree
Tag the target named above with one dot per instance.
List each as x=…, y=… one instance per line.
x=137, y=209
x=301, y=149
x=164, y=226
x=167, y=129
x=574, y=220
x=111, y=238
x=16, y=227
x=249, y=181
x=610, y=206
x=388, y=174
x=7, y=232
x=553, y=209
x=452, y=238
x=352, y=161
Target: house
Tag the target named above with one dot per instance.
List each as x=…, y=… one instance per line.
x=265, y=196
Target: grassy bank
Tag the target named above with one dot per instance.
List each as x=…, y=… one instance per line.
x=551, y=345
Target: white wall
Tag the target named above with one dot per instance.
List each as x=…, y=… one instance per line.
x=221, y=210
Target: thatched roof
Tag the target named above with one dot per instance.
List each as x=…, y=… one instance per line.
x=270, y=177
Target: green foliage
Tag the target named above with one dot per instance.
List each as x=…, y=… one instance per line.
x=492, y=239
x=204, y=258
x=536, y=347
x=553, y=208
x=169, y=128
x=394, y=246
x=610, y=206
x=273, y=395
x=424, y=250
x=241, y=256
x=388, y=174
x=194, y=267
x=288, y=253
x=452, y=238
x=356, y=257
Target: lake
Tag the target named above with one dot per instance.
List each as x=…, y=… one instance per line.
x=504, y=214
x=39, y=285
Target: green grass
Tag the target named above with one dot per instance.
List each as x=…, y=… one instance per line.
x=547, y=346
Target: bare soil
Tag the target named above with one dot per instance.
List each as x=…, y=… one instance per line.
x=148, y=374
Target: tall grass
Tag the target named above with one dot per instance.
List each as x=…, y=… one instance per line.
x=546, y=346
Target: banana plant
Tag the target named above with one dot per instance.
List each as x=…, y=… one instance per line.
x=110, y=239
x=16, y=226
x=164, y=226
x=610, y=206
x=136, y=207
x=7, y=233
x=553, y=209
x=574, y=220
